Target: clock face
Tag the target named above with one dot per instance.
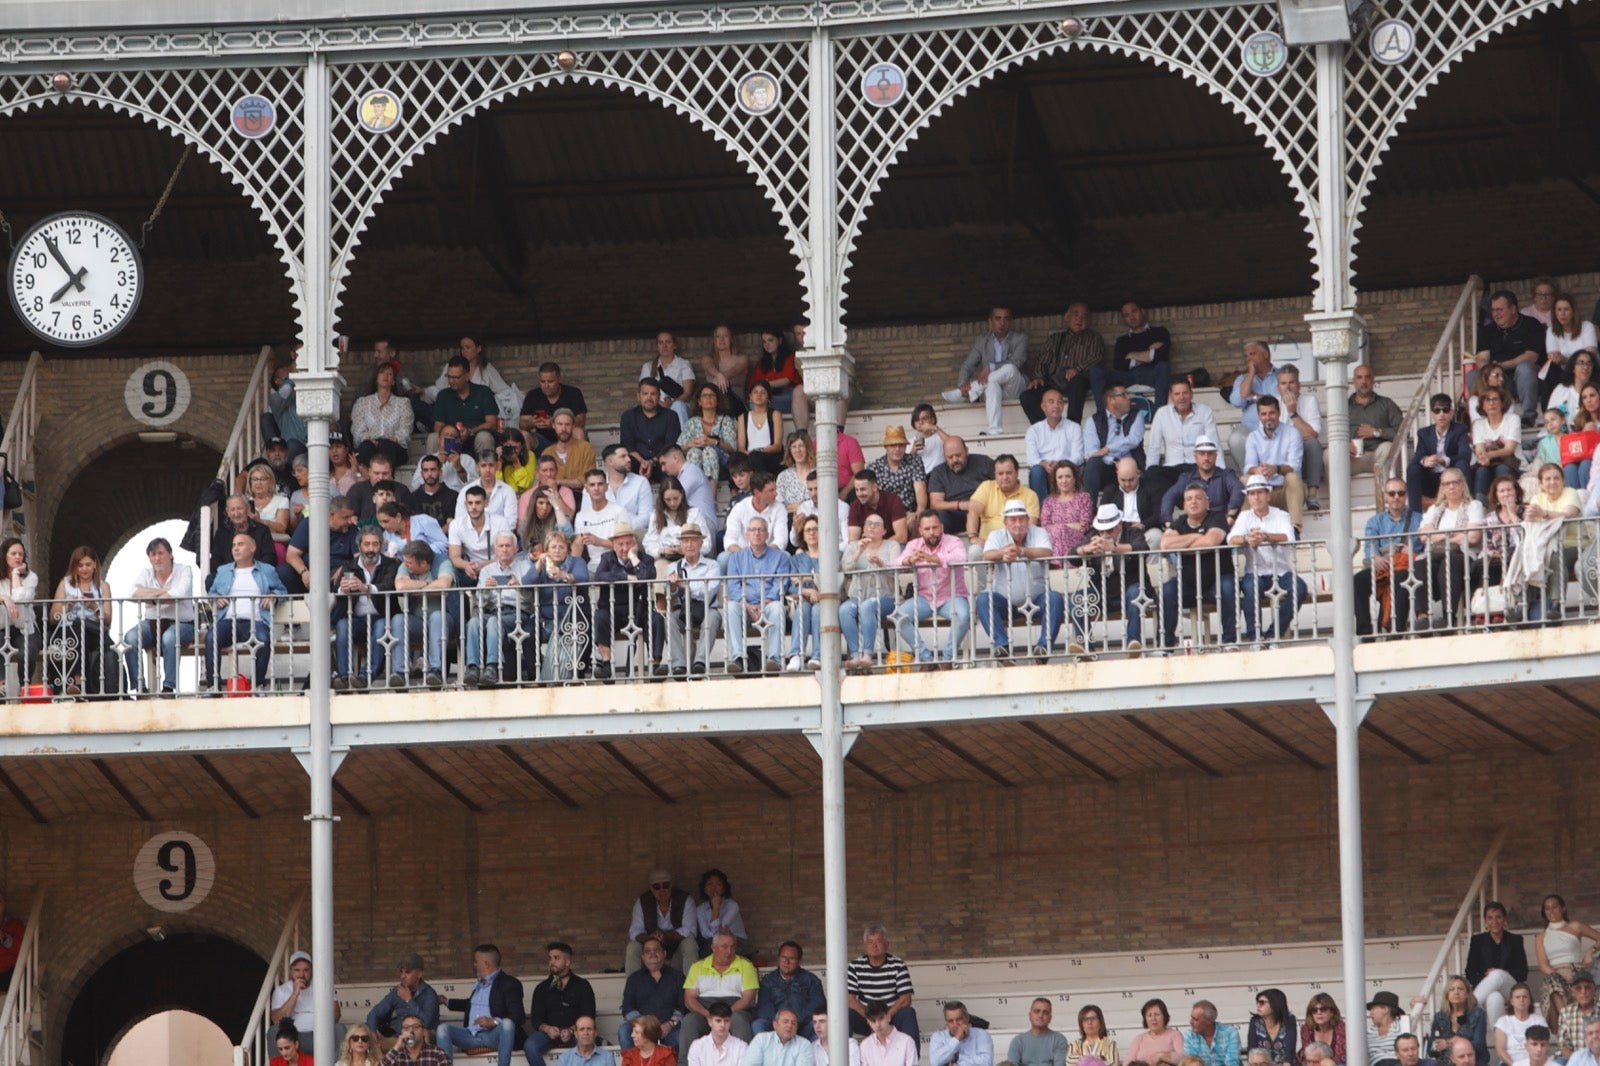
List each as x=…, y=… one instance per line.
x=76, y=279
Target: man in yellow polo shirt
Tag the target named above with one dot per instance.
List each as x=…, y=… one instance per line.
x=986, y=509
x=724, y=977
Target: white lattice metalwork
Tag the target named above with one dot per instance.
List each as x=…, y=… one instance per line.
x=697, y=81
x=1379, y=97
x=196, y=105
x=1201, y=45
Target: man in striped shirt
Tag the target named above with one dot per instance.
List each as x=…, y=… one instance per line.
x=879, y=977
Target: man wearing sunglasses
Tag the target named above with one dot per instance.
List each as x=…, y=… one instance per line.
x=1440, y=445
x=665, y=912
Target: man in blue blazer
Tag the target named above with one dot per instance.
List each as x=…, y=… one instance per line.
x=1443, y=444
x=244, y=589
x=492, y=1016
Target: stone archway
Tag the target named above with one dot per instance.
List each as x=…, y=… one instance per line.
x=209, y=975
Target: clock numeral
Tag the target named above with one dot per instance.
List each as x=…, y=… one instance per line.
x=77, y=322
x=116, y=255
x=99, y=316
x=161, y=385
x=74, y=236
x=27, y=279
x=55, y=319
x=97, y=240
x=122, y=278
x=39, y=260
x=116, y=300
x=38, y=303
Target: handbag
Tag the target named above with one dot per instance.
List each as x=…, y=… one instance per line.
x=1576, y=447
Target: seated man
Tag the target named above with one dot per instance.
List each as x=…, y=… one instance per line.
x=871, y=500
x=1018, y=585
x=1389, y=554
x=790, y=988
x=992, y=370
x=952, y=483
x=430, y=613
x=1040, y=1045
x=1275, y=455
x=1516, y=343
x=597, y=516
x=539, y=407
x=500, y=499
x=878, y=980
x=1139, y=503
x=647, y=430
x=1440, y=445
x=986, y=508
x=1269, y=563
x=886, y=1045
x=1071, y=355
x=755, y=597
x=1113, y=432
x=722, y=977
x=492, y=1016
x=627, y=490
x=1224, y=491
x=415, y=1048
x=165, y=593
x=430, y=495
x=359, y=614
x=236, y=518
x=1175, y=429
x=1142, y=356
x=782, y=1044
x=719, y=1047
x=899, y=474
x=504, y=606
x=939, y=561
x=1216, y=1045
x=457, y=468
x=694, y=606
x=1051, y=440
x=762, y=503
x=295, y=570
x=470, y=407
x=667, y=914
x=1588, y=1054
x=1299, y=411
x=574, y=456
x=959, y=1042
x=244, y=591
x=585, y=1050
x=1576, y=1017
x=655, y=989
x=294, y=1001
x=1113, y=577
x=626, y=606
x=411, y=997
x=558, y=1002
x=1374, y=421
x=819, y=1045
x=471, y=537
x=400, y=527
x=1256, y=380
x=1205, y=568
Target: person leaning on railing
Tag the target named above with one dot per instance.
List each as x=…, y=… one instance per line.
x=563, y=609
x=1388, y=552
x=869, y=564
x=1019, y=583
x=1453, y=530
x=165, y=590
x=1269, y=561
x=20, y=635
x=79, y=640
x=1112, y=577
x=1205, y=568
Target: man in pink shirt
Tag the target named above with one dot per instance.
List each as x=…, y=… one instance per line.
x=941, y=576
x=888, y=1046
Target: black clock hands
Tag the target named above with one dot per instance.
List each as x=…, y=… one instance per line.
x=74, y=277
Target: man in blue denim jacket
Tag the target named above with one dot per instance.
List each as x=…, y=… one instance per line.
x=244, y=589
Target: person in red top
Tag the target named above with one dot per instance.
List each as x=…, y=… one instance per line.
x=777, y=368
x=288, y=1044
x=11, y=930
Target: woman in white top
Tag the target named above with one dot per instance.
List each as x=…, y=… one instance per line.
x=482, y=372
x=20, y=638
x=1493, y=377
x=1568, y=397
x=1510, y=1043
x=269, y=505
x=672, y=514
x=1456, y=521
x=761, y=430
x=1567, y=335
x=798, y=461
x=81, y=655
x=381, y=420
x=1562, y=956
x=718, y=911
x=1496, y=441
x=669, y=365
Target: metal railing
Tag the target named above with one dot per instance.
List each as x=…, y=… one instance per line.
x=22, y=998
x=1452, y=956
x=16, y=447
x=244, y=444
x=255, y=1047
x=1445, y=372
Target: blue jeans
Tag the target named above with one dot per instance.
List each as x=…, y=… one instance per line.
x=807, y=630
x=994, y=614
x=1192, y=596
x=490, y=628
x=453, y=1037
x=536, y=1045
x=436, y=627
x=1155, y=375
x=860, y=621
x=1483, y=477
x=143, y=636
x=1255, y=589
x=918, y=609
x=734, y=632
x=225, y=634
x=352, y=628
x=1039, y=481
x=1576, y=475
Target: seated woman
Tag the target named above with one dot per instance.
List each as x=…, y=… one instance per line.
x=1566, y=337
x=647, y=1049
x=725, y=367
x=1159, y=1044
x=1492, y=378
x=1452, y=531
x=1496, y=441
x=563, y=609
x=1323, y=1025
x=805, y=647
x=710, y=437
x=381, y=420
x=82, y=661
x=1544, y=557
x=20, y=636
x=268, y=505
x=542, y=520
x=1510, y=1032
x=1272, y=1026
x=672, y=514
x=761, y=431
x=1562, y=956
x=1066, y=513
x=1460, y=1016
x=799, y=459
x=1092, y=1039
x=776, y=368
x=869, y=564
x=717, y=911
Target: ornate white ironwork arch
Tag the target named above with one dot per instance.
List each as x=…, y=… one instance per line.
x=196, y=105
x=1379, y=97
x=698, y=82
x=1204, y=46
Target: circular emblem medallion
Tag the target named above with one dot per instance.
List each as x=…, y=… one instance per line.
x=378, y=111
x=884, y=85
x=253, y=117
x=1264, y=53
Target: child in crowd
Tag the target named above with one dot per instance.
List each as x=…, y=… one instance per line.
x=739, y=478
x=1549, y=449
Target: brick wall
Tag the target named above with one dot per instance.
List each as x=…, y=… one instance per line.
x=956, y=870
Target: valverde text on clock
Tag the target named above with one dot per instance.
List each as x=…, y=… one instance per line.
x=76, y=279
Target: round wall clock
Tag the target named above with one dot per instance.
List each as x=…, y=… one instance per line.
x=75, y=279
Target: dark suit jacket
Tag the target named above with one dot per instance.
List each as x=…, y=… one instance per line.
x=222, y=543
x=1150, y=515
x=1457, y=445
x=505, y=1001
x=383, y=577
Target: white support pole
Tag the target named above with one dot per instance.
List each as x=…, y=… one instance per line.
x=1335, y=328
x=317, y=394
x=825, y=365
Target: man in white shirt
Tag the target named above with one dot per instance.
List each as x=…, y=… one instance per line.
x=1019, y=551
x=1051, y=441
x=457, y=469
x=782, y=1045
x=592, y=527
x=164, y=589
x=1174, y=429
x=472, y=536
x=761, y=503
x=719, y=1047
x=1301, y=412
x=626, y=489
x=1268, y=536
x=694, y=604
x=500, y=499
x=819, y=1046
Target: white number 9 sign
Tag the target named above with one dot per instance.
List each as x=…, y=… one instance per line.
x=174, y=872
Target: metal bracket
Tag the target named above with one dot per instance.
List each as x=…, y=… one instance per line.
x=847, y=740
x=1363, y=704
x=336, y=756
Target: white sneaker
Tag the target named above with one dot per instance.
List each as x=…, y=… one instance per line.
x=991, y=433
x=953, y=396
x=795, y=665
x=1135, y=649
x=975, y=391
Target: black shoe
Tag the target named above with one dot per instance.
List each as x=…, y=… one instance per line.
x=662, y=670
x=397, y=680
x=339, y=684
x=679, y=671
x=471, y=677
x=602, y=670
x=698, y=669
x=490, y=677
x=434, y=679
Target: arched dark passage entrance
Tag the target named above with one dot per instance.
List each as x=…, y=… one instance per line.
x=1497, y=172
x=125, y=488
x=1079, y=175
x=215, y=281
x=209, y=975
